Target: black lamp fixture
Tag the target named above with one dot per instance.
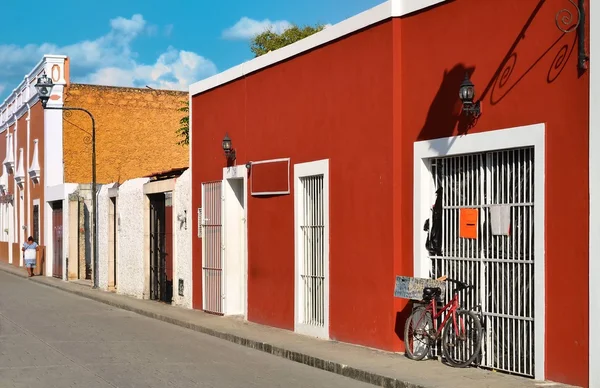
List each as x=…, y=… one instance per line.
x=467, y=95
x=44, y=87
x=227, y=148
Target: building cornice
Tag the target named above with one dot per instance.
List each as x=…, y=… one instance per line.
x=16, y=104
x=382, y=12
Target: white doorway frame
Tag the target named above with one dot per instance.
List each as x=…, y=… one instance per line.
x=594, y=196
x=424, y=197
x=320, y=167
x=235, y=173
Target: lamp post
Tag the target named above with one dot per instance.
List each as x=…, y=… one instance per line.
x=44, y=87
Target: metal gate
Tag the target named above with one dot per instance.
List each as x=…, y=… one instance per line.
x=487, y=239
x=212, y=245
x=159, y=289
x=57, y=241
x=36, y=223
x=312, y=268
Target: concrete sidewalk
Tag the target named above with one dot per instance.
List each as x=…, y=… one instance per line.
x=375, y=367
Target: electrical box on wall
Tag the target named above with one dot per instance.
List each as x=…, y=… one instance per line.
x=180, y=287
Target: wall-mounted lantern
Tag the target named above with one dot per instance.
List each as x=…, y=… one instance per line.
x=467, y=95
x=44, y=87
x=228, y=148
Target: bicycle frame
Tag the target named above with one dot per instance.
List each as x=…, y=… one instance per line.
x=450, y=307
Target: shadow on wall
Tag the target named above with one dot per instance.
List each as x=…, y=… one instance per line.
x=401, y=317
x=444, y=118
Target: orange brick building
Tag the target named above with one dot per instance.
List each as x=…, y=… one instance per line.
x=46, y=157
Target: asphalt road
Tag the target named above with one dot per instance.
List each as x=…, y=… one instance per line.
x=50, y=338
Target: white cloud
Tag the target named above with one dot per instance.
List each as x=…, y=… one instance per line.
x=173, y=70
x=110, y=59
x=247, y=28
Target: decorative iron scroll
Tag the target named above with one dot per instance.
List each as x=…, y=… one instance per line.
x=564, y=17
x=87, y=139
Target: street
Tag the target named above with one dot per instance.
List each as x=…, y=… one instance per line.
x=50, y=338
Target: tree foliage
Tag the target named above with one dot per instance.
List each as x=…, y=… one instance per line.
x=270, y=41
x=184, y=130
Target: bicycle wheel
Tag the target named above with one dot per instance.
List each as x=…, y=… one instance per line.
x=416, y=333
x=462, y=349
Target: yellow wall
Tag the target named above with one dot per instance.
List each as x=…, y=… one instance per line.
x=135, y=133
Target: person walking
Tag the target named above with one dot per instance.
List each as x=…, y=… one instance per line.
x=30, y=249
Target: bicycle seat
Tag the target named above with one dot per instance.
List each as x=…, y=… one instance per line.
x=431, y=292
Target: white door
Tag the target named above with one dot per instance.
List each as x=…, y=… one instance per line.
x=234, y=240
x=212, y=248
x=311, y=196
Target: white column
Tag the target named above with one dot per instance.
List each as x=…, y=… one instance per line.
x=594, y=177
x=29, y=231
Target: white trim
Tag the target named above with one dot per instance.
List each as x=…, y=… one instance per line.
x=28, y=184
x=23, y=94
x=531, y=135
x=320, y=167
x=157, y=187
x=594, y=198
x=235, y=172
x=387, y=10
x=261, y=193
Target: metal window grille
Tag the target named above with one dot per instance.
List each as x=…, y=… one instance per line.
x=36, y=223
x=312, y=271
x=500, y=261
x=212, y=263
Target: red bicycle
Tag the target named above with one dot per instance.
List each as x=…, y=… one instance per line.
x=461, y=331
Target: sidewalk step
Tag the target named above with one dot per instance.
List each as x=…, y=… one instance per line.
x=367, y=365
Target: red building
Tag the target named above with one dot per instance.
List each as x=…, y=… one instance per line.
x=341, y=142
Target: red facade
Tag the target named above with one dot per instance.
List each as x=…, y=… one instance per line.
x=361, y=102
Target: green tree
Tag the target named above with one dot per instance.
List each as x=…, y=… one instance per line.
x=271, y=41
x=184, y=130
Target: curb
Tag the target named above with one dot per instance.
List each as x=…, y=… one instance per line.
x=302, y=358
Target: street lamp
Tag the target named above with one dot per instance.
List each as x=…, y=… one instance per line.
x=44, y=87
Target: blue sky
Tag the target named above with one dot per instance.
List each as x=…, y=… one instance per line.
x=146, y=42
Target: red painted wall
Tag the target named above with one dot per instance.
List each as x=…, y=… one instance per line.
x=334, y=102
x=356, y=100
x=543, y=87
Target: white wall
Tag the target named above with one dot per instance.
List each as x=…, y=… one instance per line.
x=182, y=240
x=130, y=219
x=103, y=236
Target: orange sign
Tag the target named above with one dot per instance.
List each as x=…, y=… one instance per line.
x=468, y=223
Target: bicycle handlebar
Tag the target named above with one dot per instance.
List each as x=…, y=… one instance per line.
x=461, y=285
